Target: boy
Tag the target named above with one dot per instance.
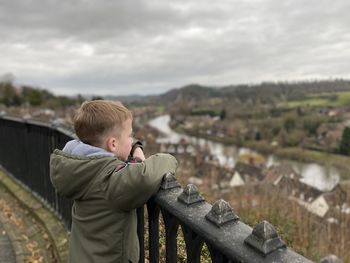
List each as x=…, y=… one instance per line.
x=105, y=187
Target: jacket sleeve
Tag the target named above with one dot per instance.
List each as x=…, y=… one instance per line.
x=131, y=186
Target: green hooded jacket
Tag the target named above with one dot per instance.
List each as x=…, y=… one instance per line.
x=106, y=192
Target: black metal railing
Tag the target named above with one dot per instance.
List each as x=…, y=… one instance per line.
x=25, y=148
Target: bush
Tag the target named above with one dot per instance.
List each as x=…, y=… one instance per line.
x=344, y=146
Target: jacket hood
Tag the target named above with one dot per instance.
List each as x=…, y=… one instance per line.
x=74, y=169
x=76, y=147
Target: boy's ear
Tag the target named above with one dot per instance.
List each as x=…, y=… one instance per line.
x=111, y=144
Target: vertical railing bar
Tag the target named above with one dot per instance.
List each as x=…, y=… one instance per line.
x=141, y=232
x=194, y=244
x=171, y=226
x=216, y=255
x=153, y=231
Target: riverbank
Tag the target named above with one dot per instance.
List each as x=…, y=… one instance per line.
x=340, y=162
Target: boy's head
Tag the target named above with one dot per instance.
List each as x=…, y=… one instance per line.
x=106, y=124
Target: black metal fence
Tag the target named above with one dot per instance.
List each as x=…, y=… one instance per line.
x=25, y=148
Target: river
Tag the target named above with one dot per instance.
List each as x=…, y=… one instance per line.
x=318, y=176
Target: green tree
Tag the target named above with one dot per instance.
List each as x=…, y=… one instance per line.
x=66, y=101
x=311, y=124
x=97, y=98
x=344, y=146
x=289, y=122
x=222, y=114
x=8, y=95
x=35, y=98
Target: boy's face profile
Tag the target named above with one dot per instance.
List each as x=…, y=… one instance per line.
x=120, y=143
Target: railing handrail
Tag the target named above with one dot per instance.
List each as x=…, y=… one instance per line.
x=228, y=239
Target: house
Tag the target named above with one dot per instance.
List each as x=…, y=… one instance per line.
x=345, y=186
x=274, y=173
x=315, y=201
x=318, y=207
x=293, y=187
x=195, y=180
x=337, y=196
x=236, y=180
x=242, y=174
x=330, y=133
x=325, y=202
x=247, y=172
x=185, y=147
x=333, y=113
x=168, y=147
x=173, y=148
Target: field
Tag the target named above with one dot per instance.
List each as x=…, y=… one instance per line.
x=336, y=99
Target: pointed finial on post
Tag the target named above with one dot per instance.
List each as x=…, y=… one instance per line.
x=221, y=213
x=169, y=182
x=264, y=238
x=190, y=195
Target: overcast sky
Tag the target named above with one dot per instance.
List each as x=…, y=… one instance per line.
x=147, y=47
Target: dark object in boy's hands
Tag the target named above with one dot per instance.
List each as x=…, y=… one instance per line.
x=135, y=145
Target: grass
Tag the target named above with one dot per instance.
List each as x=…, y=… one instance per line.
x=342, y=99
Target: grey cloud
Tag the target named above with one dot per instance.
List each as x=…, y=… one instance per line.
x=134, y=45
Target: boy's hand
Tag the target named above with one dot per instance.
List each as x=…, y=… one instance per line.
x=138, y=152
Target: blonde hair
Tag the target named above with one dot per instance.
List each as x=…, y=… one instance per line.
x=95, y=119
